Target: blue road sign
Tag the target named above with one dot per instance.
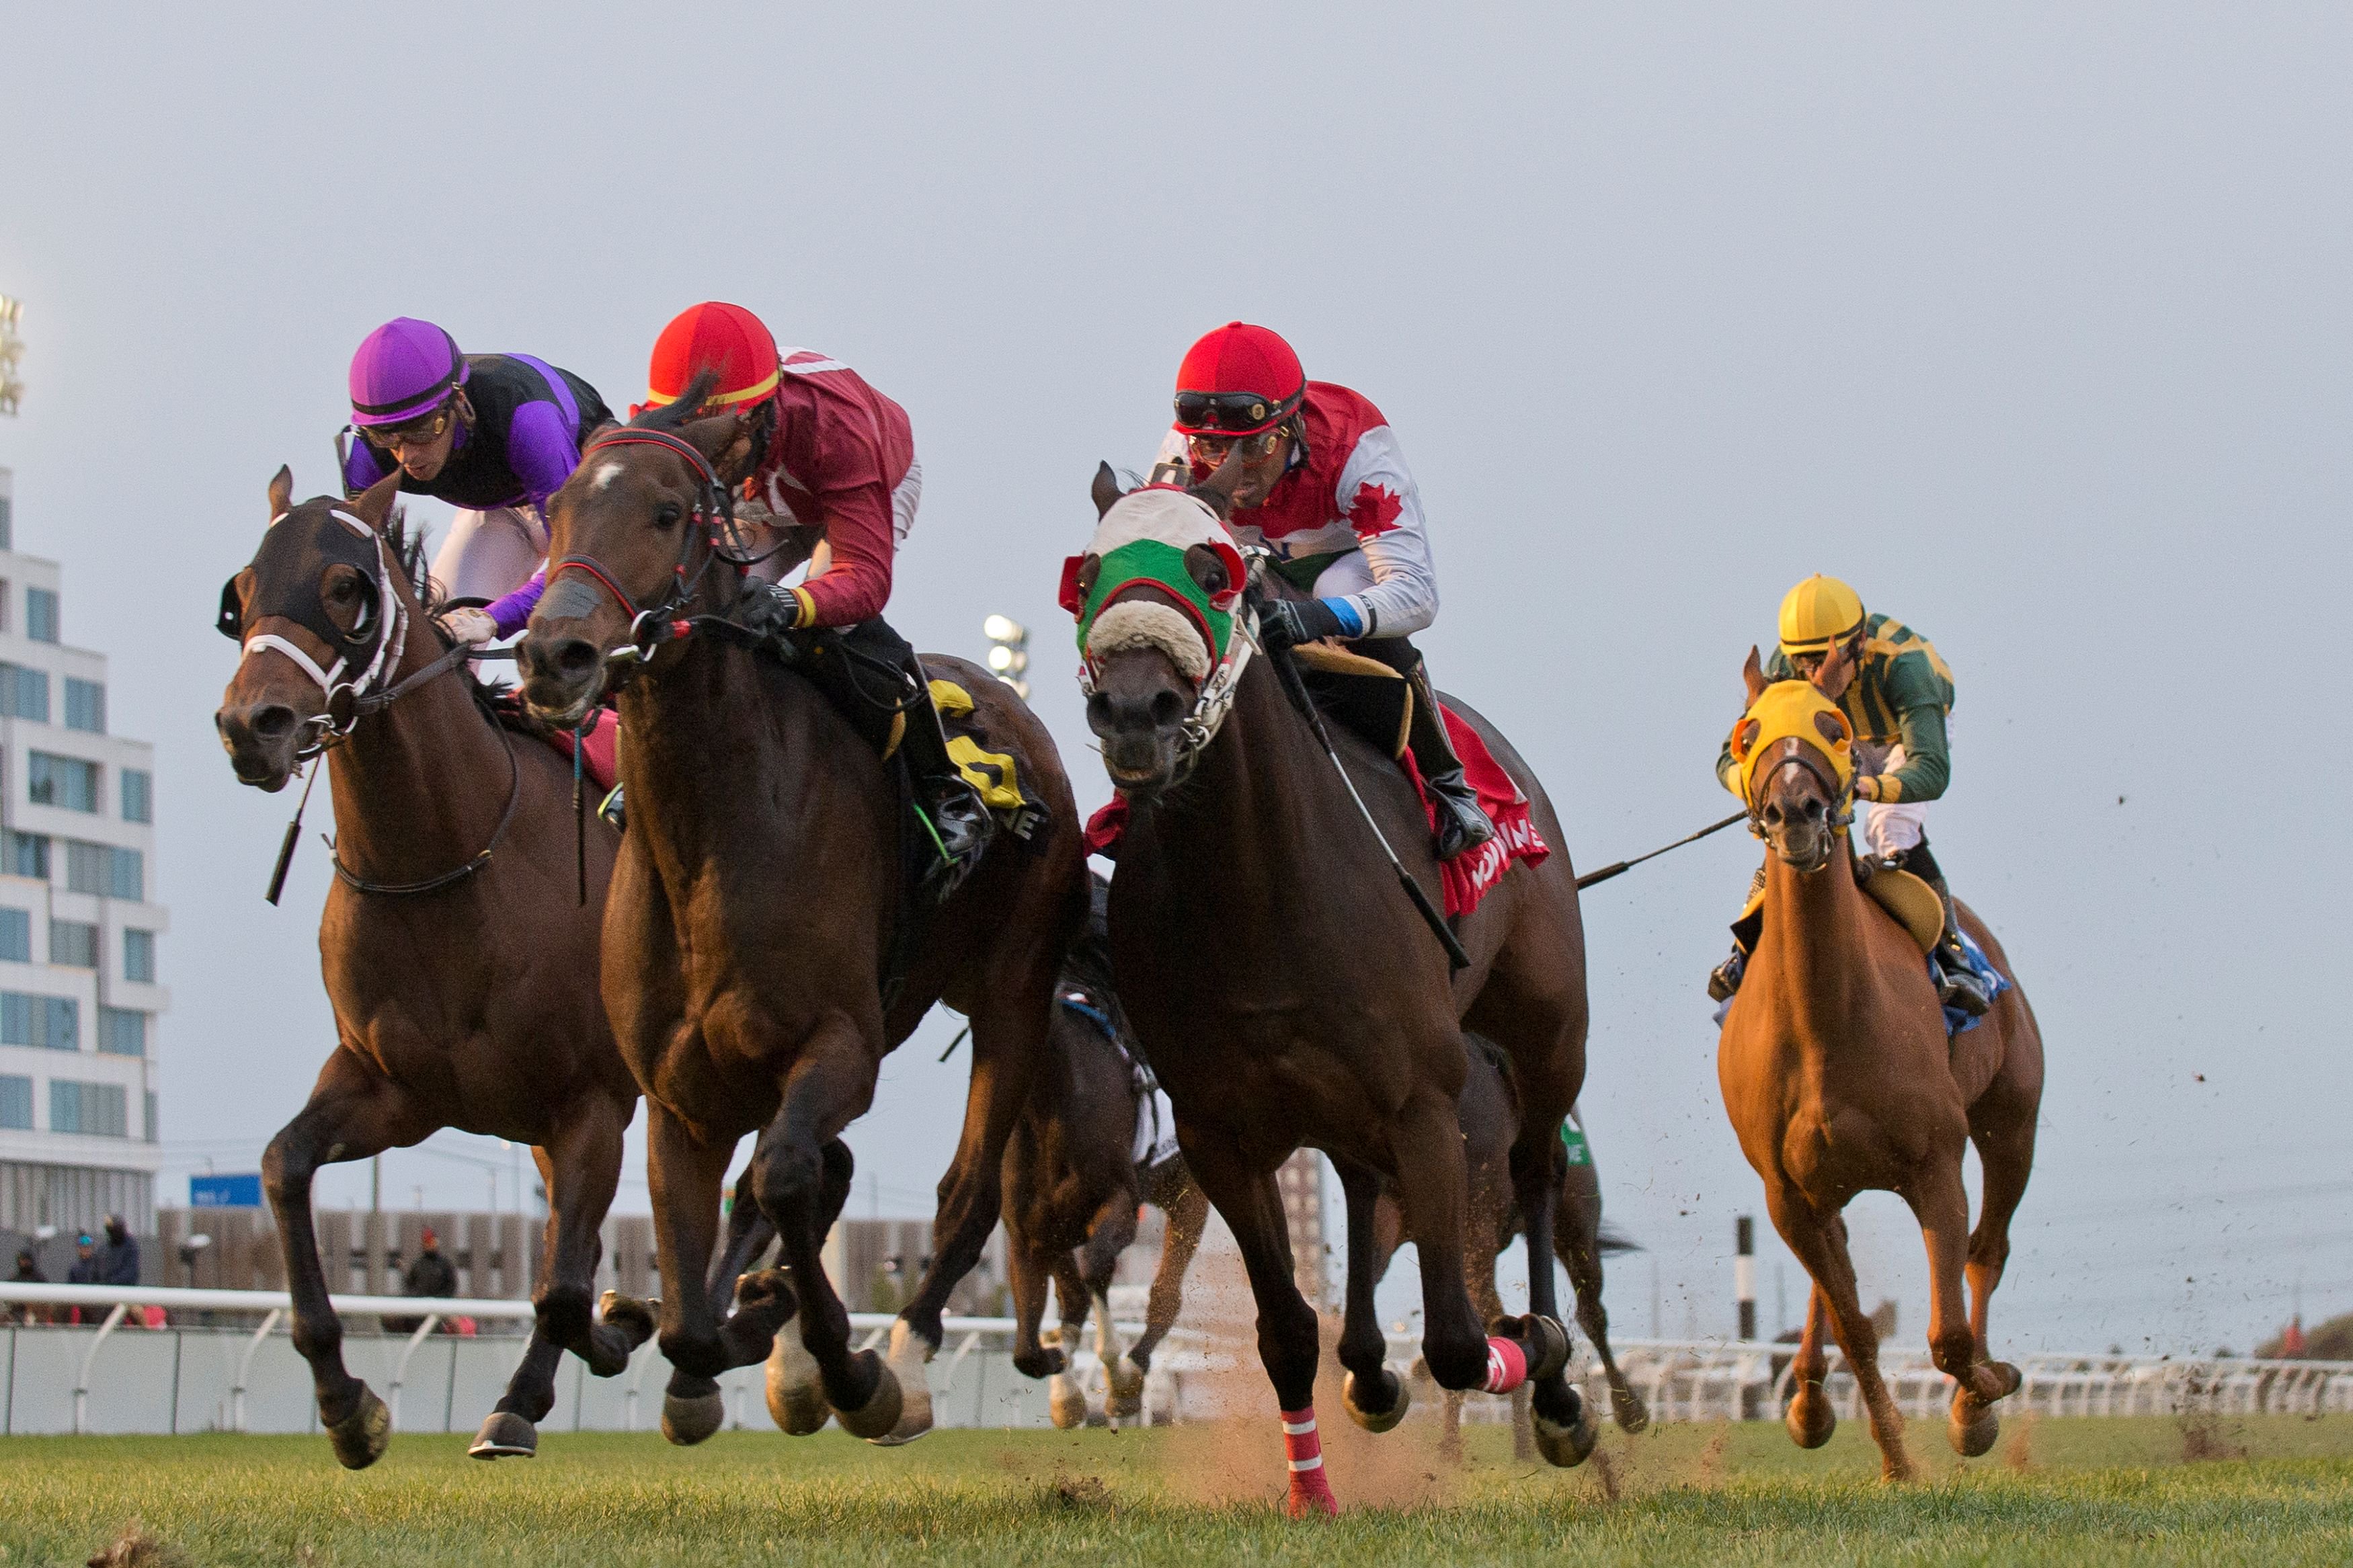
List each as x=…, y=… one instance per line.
x=224, y=1192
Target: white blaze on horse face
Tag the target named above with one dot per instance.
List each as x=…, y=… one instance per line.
x=606, y=474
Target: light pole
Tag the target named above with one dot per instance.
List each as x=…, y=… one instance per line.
x=1008, y=652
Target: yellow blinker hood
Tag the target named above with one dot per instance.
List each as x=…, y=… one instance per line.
x=1792, y=709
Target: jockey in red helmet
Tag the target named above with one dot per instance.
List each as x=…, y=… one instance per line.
x=837, y=457
x=1326, y=491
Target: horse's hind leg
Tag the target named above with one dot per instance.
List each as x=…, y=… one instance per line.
x=1820, y=1246
x=1374, y=1397
x=2004, y=1134
x=1066, y=1402
x=1811, y=1417
x=1942, y=1206
x=353, y=1112
x=1113, y=1233
x=1187, y=1214
x=1577, y=1239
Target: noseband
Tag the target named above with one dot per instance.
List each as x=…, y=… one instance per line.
x=1794, y=753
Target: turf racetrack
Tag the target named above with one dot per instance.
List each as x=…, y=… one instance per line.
x=2280, y=1491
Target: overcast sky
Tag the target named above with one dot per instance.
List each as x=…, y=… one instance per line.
x=2030, y=321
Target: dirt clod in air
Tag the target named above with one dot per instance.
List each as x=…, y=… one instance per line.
x=2019, y=1452
x=138, y=1547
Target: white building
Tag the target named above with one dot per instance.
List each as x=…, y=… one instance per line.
x=79, y=999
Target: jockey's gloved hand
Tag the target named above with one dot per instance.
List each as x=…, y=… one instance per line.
x=471, y=627
x=766, y=609
x=1287, y=623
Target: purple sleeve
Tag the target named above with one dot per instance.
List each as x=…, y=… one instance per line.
x=541, y=451
x=512, y=612
x=362, y=465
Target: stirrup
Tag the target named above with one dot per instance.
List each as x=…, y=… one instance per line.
x=961, y=828
x=614, y=810
x=1961, y=988
x=1463, y=823
x=1723, y=980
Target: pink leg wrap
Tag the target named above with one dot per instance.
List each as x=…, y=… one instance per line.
x=1310, y=1494
x=1507, y=1367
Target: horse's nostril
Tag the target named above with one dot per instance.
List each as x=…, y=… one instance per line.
x=273, y=723
x=575, y=657
x=1166, y=709
x=1099, y=712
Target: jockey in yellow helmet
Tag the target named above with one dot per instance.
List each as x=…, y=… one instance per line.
x=1897, y=702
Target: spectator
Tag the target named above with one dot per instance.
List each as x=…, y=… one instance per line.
x=428, y=1274
x=28, y=1272
x=119, y=1259
x=86, y=1263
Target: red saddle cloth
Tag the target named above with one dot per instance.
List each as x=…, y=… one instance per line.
x=1466, y=878
x=600, y=757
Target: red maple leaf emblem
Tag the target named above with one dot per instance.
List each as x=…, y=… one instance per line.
x=1375, y=510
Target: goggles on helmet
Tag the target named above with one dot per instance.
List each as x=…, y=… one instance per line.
x=416, y=433
x=1231, y=412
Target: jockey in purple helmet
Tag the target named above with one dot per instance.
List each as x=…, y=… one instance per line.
x=493, y=435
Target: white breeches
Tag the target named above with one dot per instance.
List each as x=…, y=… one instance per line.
x=490, y=553
x=1897, y=825
x=1351, y=573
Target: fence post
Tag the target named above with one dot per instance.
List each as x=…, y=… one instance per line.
x=81, y=1384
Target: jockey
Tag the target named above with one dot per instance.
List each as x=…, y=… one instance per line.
x=1897, y=701
x=493, y=435
x=836, y=456
x=1325, y=490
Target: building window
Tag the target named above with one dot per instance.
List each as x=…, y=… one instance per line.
x=67, y=782
x=85, y=705
x=15, y=1103
x=25, y=855
x=41, y=613
x=17, y=934
x=127, y=875
x=94, y=1110
x=153, y=1136
x=74, y=943
x=121, y=1031
x=24, y=693
x=139, y=956
x=53, y=1023
x=88, y=866
x=7, y=524
x=138, y=796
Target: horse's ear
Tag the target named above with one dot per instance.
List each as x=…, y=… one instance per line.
x=716, y=436
x=1753, y=672
x=1836, y=670
x=1105, y=490
x=281, y=492
x=375, y=503
x=1218, y=489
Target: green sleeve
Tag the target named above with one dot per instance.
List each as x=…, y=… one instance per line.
x=1927, y=767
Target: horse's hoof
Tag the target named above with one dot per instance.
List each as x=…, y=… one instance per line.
x=1400, y=1400
x=505, y=1436
x=1126, y=1387
x=688, y=1419
x=1627, y=1408
x=1973, y=1426
x=634, y=1317
x=361, y=1437
x=880, y=1414
x=1810, y=1418
x=910, y=1354
x=1567, y=1443
x=796, y=1389
x=1066, y=1402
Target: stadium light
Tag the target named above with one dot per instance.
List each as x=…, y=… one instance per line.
x=1008, y=652
x=12, y=349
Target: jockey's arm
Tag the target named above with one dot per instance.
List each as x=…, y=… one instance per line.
x=1927, y=767
x=364, y=465
x=1383, y=505
x=541, y=451
x=856, y=584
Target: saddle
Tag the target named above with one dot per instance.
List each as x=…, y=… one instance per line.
x=1911, y=901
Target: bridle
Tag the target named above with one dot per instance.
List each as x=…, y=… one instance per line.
x=1791, y=751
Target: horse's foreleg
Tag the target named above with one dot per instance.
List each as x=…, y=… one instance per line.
x=585, y=1167
x=749, y=1234
x=1066, y=1402
x=1252, y=1207
x=1819, y=1243
x=1026, y=1268
x=1008, y=1038
x=1576, y=1241
x=1431, y=1190
x=512, y=1429
x=1564, y=1429
x=1374, y=1397
x=2005, y=1141
x=353, y=1112
x=1811, y=1418
x=1111, y=1234
x=1189, y=1214
x=1942, y=1206
x=683, y=1177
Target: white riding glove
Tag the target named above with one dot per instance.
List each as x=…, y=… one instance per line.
x=469, y=626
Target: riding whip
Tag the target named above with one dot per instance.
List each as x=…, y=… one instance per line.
x=1606, y=872
x=293, y=833
x=1455, y=957
x=580, y=814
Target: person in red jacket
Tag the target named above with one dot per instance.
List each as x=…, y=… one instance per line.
x=837, y=457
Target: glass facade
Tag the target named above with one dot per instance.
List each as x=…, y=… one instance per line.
x=25, y=855
x=100, y=1109
x=41, y=618
x=121, y=1032
x=15, y=935
x=16, y=1102
x=138, y=796
x=53, y=1023
x=68, y=782
x=24, y=693
x=85, y=706
x=138, y=956
x=73, y=943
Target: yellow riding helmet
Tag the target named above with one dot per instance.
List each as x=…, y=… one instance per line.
x=1817, y=612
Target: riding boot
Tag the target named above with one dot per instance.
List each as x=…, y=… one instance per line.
x=1723, y=980
x=1958, y=985
x=959, y=818
x=1463, y=823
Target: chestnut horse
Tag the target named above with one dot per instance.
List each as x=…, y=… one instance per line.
x=1839, y=1078
x=1286, y=990
x=454, y=942
x=755, y=917
x=1073, y=1187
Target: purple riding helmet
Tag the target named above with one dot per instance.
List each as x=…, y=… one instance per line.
x=404, y=370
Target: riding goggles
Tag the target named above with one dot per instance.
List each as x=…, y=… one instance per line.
x=1232, y=413
x=416, y=433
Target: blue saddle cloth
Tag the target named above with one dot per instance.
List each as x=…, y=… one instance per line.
x=1956, y=1021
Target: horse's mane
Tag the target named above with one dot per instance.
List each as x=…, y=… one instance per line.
x=408, y=553
x=676, y=415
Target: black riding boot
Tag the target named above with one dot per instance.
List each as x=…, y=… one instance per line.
x=1463, y=822
x=1723, y=980
x=957, y=813
x=1958, y=985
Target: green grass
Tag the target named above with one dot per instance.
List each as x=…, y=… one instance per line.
x=2072, y=1492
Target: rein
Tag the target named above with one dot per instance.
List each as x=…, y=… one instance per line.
x=433, y=884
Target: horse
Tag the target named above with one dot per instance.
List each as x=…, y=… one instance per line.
x=453, y=942
x=1283, y=984
x=1838, y=1076
x=1074, y=1180
x=757, y=960
x=1490, y=1117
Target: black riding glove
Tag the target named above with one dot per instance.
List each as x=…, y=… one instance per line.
x=768, y=611
x=1287, y=623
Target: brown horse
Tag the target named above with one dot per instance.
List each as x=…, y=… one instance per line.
x=1073, y=1185
x=758, y=959
x=454, y=942
x=1289, y=995
x=1490, y=1115
x=1839, y=1078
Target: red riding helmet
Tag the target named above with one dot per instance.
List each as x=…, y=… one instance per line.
x=716, y=336
x=1238, y=381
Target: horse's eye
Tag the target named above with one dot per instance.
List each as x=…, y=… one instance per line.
x=1208, y=570
x=1088, y=570
x=343, y=591
x=666, y=514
